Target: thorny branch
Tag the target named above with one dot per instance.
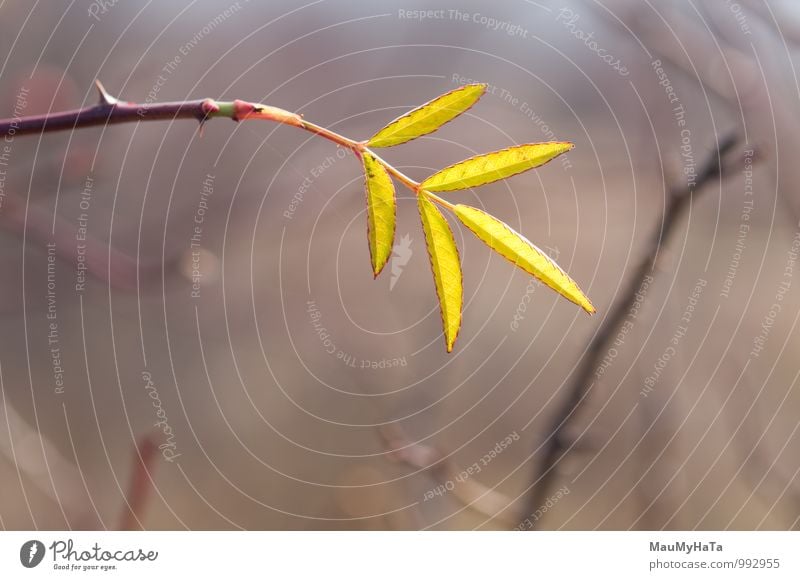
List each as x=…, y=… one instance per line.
x=111, y=110
x=558, y=444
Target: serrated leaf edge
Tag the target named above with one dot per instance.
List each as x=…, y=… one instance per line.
x=370, y=216
x=369, y=142
x=424, y=184
x=449, y=344
x=590, y=310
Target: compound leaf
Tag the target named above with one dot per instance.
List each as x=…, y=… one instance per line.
x=522, y=253
x=428, y=117
x=380, y=211
x=494, y=166
x=445, y=265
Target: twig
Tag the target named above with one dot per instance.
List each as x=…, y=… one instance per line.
x=110, y=110
x=557, y=445
x=104, y=262
x=107, y=111
x=140, y=484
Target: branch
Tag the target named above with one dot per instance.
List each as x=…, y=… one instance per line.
x=110, y=110
x=558, y=446
x=103, y=262
x=140, y=484
x=379, y=181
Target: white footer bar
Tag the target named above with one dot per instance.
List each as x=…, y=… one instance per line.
x=356, y=555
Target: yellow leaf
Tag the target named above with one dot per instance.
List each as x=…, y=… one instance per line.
x=428, y=117
x=446, y=267
x=521, y=252
x=380, y=211
x=490, y=167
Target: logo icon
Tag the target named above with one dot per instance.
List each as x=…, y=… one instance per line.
x=401, y=254
x=31, y=553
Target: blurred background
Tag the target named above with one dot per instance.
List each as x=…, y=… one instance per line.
x=192, y=337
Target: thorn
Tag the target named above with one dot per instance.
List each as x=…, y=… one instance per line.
x=105, y=98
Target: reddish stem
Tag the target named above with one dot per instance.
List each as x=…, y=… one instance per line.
x=140, y=484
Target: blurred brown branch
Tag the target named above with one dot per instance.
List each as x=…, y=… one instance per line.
x=739, y=52
x=140, y=484
x=102, y=261
x=558, y=445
